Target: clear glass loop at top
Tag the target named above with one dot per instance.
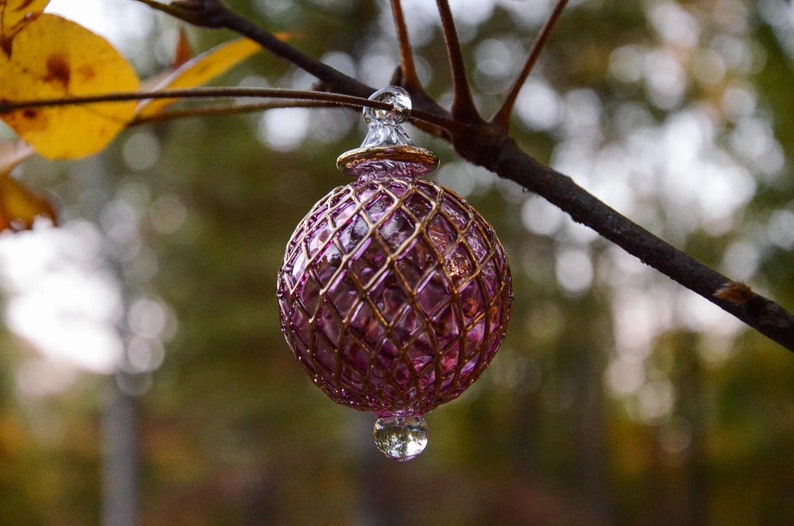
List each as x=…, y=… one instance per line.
x=399, y=100
x=387, y=147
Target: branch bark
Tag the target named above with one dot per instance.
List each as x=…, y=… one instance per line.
x=463, y=108
x=408, y=77
x=489, y=146
x=410, y=80
x=507, y=160
x=214, y=14
x=285, y=98
x=501, y=120
x=226, y=93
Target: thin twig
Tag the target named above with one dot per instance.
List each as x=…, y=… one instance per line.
x=201, y=13
x=409, y=77
x=430, y=117
x=215, y=14
x=501, y=120
x=764, y=315
x=195, y=93
x=417, y=116
x=222, y=110
x=463, y=108
x=321, y=97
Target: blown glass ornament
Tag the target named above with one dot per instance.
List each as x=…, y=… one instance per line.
x=394, y=293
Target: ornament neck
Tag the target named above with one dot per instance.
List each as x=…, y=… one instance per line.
x=387, y=161
x=387, y=151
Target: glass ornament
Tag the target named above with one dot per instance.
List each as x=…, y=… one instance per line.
x=394, y=293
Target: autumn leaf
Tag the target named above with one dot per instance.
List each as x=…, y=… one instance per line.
x=19, y=206
x=198, y=71
x=14, y=14
x=52, y=58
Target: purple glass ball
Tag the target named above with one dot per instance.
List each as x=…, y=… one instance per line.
x=394, y=293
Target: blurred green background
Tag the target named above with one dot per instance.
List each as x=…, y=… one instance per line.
x=142, y=337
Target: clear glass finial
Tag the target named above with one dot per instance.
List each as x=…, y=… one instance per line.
x=387, y=147
x=401, y=438
x=384, y=125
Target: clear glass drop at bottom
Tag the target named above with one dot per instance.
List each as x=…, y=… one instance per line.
x=401, y=438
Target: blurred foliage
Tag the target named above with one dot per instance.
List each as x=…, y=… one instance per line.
x=617, y=398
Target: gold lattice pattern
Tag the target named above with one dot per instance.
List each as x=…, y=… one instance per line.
x=394, y=295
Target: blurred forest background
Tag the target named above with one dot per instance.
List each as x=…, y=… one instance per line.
x=618, y=397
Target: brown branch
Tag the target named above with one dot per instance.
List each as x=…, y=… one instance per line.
x=463, y=108
x=501, y=120
x=215, y=14
x=315, y=98
x=769, y=318
x=427, y=114
x=489, y=147
x=417, y=117
x=337, y=99
x=410, y=80
x=222, y=110
x=407, y=77
x=189, y=11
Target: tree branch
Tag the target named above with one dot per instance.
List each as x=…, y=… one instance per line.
x=221, y=110
x=764, y=315
x=410, y=80
x=214, y=14
x=501, y=120
x=337, y=99
x=316, y=97
x=490, y=147
x=407, y=77
x=463, y=108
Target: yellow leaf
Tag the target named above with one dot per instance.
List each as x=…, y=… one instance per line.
x=200, y=70
x=14, y=14
x=19, y=206
x=51, y=58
